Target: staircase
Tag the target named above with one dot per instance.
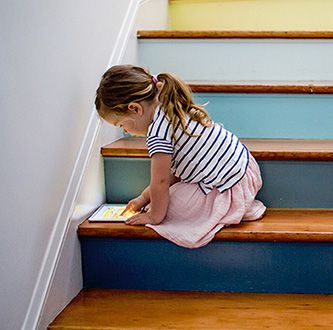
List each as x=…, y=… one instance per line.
x=275, y=273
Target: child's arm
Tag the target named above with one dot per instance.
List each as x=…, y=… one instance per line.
x=143, y=200
x=159, y=186
x=158, y=190
x=137, y=203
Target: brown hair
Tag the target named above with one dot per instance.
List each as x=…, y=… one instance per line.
x=123, y=84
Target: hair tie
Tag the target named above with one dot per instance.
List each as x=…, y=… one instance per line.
x=154, y=79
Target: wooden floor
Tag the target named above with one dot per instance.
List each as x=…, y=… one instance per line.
x=116, y=309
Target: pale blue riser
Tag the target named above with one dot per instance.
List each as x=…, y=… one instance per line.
x=301, y=116
x=220, y=266
x=294, y=184
x=255, y=59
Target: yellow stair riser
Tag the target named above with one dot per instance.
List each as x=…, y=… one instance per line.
x=255, y=15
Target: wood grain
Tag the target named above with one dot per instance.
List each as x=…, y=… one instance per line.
x=124, y=309
x=261, y=149
x=278, y=225
x=260, y=88
x=183, y=34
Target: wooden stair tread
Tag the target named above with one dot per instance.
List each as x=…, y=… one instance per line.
x=280, y=225
x=192, y=34
x=262, y=87
x=134, y=309
x=261, y=149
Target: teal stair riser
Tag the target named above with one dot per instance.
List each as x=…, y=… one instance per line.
x=287, y=184
x=293, y=116
x=220, y=266
x=265, y=59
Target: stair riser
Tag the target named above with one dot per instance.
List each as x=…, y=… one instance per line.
x=220, y=266
x=302, y=116
x=237, y=59
x=287, y=184
x=269, y=15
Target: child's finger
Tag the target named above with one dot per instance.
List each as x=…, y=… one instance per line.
x=138, y=219
x=147, y=207
x=132, y=220
x=129, y=207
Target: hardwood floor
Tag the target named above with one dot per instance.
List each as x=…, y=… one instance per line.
x=116, y=309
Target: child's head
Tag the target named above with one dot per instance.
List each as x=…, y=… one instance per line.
x=127, y=91
x=122, y=85
x=123, y=95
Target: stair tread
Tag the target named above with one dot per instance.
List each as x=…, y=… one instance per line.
x=210, y=34
x=268, y=87
x=261, y=149
x=281, y=225
x=134, y=309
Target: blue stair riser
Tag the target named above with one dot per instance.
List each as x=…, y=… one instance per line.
x=293, y=116
x=287, y=184
x=250, y=59
x=220, y=266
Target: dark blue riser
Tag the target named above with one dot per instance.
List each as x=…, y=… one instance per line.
x=296, y=184
x=302, y=116
x=220, y=266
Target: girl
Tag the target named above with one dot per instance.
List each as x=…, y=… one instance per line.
x=202, y=176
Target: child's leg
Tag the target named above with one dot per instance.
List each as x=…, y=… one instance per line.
x=256, y=211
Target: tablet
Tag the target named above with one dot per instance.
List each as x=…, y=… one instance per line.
x=111, y=213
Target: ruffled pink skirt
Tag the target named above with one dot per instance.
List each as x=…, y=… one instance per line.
x=194, y=218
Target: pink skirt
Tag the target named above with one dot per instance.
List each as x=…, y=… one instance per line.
x=194, y=218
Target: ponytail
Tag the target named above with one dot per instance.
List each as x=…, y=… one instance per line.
x=177, y=102
x=123, y=84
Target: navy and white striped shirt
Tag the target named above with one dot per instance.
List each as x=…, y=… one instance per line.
x=214, y=158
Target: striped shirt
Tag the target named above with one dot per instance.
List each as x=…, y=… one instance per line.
x=213, y=158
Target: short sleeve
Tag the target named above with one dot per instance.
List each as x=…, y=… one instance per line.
x=157, y=144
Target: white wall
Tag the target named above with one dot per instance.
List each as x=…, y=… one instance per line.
x=52, y=56
x=67, y=280
x=153, y=15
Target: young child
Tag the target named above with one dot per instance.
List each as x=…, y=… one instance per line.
x=202, y=176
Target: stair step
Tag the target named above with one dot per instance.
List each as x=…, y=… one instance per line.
x=273, y=87
x=260, y=112
x=278, y=225
x=288, y=251
x=206, y=34
x=254, y=110
x=296, y=173
x=216, y=56
x=250, y=15
x=123, y=309
x=261, y=149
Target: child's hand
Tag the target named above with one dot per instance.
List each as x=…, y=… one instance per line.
x=135, y=205
x=140, y=219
